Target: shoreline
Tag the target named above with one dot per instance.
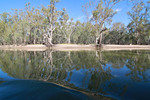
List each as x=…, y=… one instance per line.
x=125, y=47
x=74, y=47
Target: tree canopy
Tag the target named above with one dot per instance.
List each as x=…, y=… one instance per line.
x=47, y=25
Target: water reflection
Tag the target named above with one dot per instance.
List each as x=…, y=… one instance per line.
x=119, y=74
x=37, y=90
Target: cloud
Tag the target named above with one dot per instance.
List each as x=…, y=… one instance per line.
x=118, y=10
x=90, y=17
x=80, y=18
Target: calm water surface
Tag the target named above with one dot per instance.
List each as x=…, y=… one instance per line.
x=116, y=74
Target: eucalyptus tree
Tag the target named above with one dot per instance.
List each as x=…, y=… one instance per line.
x=67, y=26
x=86, y=35
x=70, y=30
x=139, y=16
x=14, y=30
x=148, y=33
x=78, y=32
x=117, y=33
x=30, y=21
x=63, y=23
x=2, y=30
x=102, y=15
x=51, y=15
x=3, y=26
x=22, y=25
x=38, y=27
x=4, y=17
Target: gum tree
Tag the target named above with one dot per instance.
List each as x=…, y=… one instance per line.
x=102, y=14
x=50, y=14
x=67, y=26
x=139, y=16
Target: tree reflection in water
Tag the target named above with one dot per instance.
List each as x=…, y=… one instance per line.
x=101, y=72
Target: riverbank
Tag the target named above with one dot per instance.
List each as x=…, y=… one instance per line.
x=73, y=47
x=126, y=47
x=59, y=47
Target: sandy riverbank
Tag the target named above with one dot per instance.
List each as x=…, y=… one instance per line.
x=60, y=47
x=74, y=47
x=126, y=47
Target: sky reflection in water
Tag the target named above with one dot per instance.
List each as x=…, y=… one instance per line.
x=118, y=74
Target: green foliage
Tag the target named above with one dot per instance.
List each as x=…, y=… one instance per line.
x=139, y=16
x=46, y=25
x=101, y=15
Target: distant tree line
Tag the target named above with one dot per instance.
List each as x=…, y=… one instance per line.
x=47, y=25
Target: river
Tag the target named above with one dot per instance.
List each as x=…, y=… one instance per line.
x=115, y=74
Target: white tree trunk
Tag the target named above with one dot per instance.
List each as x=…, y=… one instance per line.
x=96, y=40
x=69, y=41
x=100, y=40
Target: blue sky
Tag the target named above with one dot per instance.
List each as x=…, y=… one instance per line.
x=73, y=7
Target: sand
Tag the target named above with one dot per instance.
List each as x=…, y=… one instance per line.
x=74, y=47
